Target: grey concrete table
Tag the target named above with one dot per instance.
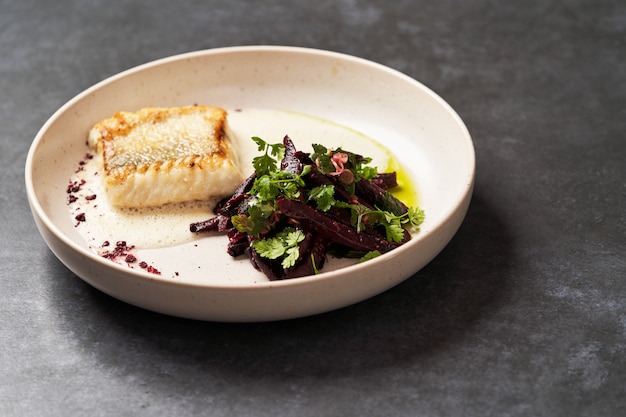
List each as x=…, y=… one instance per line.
x=524, y=312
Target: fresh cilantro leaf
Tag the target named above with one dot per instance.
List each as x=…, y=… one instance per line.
x=292, y=255
x=321, y=155
x=261, y=144
x=394, y=224
x=283, y=245
x=269, y=248
x=264, y=188
x=264, y=164
x=319, y=150
x=367, y=172
x=323, y=196
x=389, y=216
x=256, y=220
x=277, y=150
x=269, y=160
x=394, y=231
x=369, y=255
x=279, y=183
x=415, y=216
x=292, y=238
x=245, y=223
x=289, y=184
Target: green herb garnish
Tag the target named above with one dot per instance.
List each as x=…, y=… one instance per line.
x=276, y=210
x=284, y=246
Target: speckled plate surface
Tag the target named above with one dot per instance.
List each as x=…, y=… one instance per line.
x=420, y=129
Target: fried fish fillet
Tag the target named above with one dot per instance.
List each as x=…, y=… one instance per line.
x=159, y=155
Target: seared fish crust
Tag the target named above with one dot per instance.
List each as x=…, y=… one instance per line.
x=157, y=155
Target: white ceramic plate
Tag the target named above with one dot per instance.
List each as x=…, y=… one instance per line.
x=419, y=128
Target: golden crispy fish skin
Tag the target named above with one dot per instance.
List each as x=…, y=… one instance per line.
x=161, y=155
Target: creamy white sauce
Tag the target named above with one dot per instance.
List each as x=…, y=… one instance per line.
x=167, y=226
x=273, y=125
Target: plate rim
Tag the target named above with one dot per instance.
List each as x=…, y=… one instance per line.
x=37, y=208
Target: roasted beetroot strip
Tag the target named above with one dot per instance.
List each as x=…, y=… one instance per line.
x=386, y=180
x=204, y=225
x=237, y=242
x=380, y=198
x=273, y=270
x=322, y=230
x=312, y=249
x=231, y=206
x=290, y=162
x=333, y=230
x=316, y=178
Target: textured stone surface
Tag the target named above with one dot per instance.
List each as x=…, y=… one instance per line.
x=523, y=314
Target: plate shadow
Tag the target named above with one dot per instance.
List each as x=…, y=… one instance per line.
x=410, y=322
